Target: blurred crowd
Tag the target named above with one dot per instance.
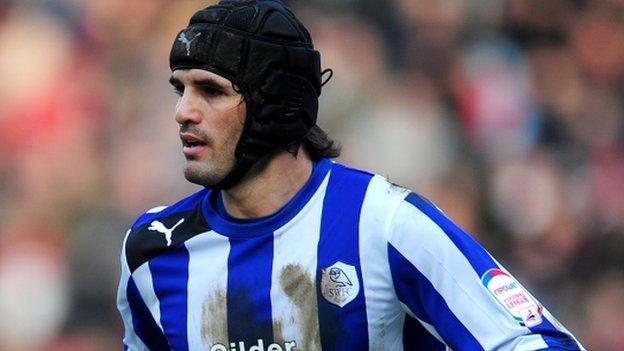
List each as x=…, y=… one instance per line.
x=509, y=114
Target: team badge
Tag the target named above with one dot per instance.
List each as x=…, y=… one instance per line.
x=513, y=297
x=339, y=283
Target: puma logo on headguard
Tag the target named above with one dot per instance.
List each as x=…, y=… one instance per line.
x=182, y=38
x=159, y=227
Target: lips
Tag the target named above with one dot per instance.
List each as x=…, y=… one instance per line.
x=191, y=140
x=192, y=145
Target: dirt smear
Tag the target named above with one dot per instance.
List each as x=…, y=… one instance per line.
x=300, y=288
x=214, y=318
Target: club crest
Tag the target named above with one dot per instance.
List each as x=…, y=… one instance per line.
x=339, y=283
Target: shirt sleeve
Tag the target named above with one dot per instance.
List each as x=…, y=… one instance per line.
x=131, y=340
x=454, y=288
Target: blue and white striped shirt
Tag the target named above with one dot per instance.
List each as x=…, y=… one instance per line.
x=352, y=262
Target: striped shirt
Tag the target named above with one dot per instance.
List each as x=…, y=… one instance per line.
x=352, y=262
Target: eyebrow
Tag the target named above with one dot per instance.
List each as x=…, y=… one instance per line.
x=174, y=81
x=205, y=82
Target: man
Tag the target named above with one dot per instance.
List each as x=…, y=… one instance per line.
x=285, y=249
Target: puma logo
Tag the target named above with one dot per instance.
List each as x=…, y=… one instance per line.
x=187, y=42
x=159, y=227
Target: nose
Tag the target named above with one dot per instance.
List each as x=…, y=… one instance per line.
x=188, y=109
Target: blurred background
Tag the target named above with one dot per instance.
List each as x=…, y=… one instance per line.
x=508, y=114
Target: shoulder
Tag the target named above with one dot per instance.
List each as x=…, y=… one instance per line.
x=164, y=227
x=344, y=179
x=188, y=203
x=396, y=204
x=379, y=191
x=382, y=202
x=420, y=225
x=417, y=210
x=380, y=197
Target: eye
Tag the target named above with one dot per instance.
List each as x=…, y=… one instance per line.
x=178, y=89
x=210, y=90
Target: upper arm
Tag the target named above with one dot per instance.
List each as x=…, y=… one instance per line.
x=452, y=285
x=131, y=340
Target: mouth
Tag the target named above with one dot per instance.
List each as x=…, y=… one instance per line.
x=192, y=145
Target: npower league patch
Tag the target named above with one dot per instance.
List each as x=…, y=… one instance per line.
x=513, y=297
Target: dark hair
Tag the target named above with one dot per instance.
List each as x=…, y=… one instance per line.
x=318, y=144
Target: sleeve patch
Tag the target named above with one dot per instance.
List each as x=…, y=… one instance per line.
x=514, y=298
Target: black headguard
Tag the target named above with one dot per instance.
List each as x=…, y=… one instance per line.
x=268, y=54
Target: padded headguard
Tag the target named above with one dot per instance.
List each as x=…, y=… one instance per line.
x=268, y=54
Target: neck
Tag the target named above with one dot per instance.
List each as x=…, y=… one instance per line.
x=264, y=191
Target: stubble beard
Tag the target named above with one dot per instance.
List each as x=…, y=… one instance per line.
x=216, y=166
x=208, y=173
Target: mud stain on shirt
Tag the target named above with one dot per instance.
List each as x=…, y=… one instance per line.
x=214, y=319
x=300, y=288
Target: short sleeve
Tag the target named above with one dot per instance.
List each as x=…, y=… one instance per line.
x=458, y=292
